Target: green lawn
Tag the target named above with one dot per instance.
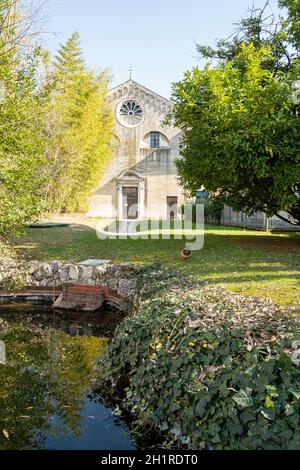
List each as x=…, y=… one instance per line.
x=239, y=260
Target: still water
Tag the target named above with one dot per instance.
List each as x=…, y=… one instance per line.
x=45, y=390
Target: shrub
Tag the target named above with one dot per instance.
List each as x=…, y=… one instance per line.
x=213, y=210
x=210, y=371
x=13, y=274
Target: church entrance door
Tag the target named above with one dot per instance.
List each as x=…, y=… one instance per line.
x=130, y=202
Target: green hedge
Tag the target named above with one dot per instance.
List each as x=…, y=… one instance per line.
x=213, y=210
x=212, y=372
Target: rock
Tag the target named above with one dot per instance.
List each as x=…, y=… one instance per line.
x=111, y=268
x=74, y=273
x=85, y=272
x=127, y=287
x=113, y=284
x=101, y=270
x=43, y=271
x=27, y=279
x=56, y=266
x=44, y=283
x=75, y=329
x=31, y=269
x=64, y=275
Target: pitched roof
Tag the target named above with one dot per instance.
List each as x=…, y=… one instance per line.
x=140, y=87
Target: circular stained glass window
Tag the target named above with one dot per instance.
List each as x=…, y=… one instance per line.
x=130, y=113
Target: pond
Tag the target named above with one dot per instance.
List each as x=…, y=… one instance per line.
x=46, y=382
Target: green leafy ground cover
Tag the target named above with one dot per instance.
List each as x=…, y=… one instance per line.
x=208, y=370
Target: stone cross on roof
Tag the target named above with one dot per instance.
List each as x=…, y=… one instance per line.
x=130, y=70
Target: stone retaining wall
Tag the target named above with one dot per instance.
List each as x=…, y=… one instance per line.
x=119, y=278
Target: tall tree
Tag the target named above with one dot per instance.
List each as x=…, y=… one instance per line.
x=21, y=125
x=261, y=28
x=79, y=129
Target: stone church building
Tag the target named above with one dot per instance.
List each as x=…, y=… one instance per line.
x=140, y=182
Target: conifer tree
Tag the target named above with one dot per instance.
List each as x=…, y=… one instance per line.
x=79, y=130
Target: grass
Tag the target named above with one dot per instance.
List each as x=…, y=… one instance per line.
x=254, y=263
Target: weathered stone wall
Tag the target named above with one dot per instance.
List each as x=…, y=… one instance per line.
x=132, y=152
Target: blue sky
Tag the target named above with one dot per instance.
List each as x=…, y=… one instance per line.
x=156, y=37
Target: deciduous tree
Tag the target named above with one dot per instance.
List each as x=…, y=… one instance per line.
x=21, y=125
x=241, y=127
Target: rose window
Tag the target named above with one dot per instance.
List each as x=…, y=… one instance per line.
x=131, y=113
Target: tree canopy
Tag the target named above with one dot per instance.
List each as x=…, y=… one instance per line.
x=240, y=123
x=293, y=20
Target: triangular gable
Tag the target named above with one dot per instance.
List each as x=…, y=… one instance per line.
x=136, y=90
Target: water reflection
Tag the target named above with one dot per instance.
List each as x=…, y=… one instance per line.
x=44, y=403
x=98, y=431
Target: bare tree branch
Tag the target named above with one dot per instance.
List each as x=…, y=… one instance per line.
x=285, y=219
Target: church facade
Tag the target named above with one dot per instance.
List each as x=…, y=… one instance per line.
x=140, y=181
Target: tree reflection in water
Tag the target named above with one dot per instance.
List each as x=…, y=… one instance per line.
x=47, y=374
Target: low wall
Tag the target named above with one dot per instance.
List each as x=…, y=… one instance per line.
x=119, y=278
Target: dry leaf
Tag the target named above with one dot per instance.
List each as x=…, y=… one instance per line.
x=6, y=434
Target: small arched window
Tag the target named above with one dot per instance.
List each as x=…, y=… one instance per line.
x=156, y=140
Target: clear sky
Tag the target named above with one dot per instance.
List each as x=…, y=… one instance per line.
x=156, y=37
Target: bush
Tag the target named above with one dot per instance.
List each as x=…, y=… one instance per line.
x=213, y=211
x=12, y=269
x=210, y=371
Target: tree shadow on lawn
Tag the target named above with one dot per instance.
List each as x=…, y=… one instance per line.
x=229, y=257
x=271, y=243
x=219, y=250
